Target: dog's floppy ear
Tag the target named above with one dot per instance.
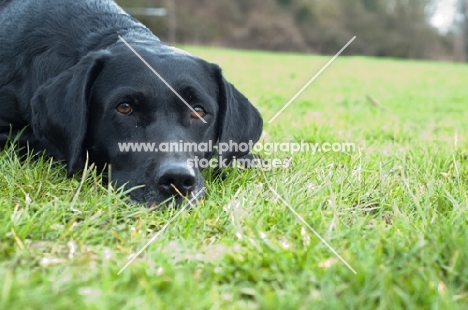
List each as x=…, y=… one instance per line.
x=239, y=121
x=60, y=108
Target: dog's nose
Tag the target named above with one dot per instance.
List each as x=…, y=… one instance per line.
x=179, y=176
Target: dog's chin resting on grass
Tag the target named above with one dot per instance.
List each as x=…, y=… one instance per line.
x=73, y=88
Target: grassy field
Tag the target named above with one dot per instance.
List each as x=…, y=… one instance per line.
x=395, y=209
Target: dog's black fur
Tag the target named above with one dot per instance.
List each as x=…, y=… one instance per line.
x=63, y=71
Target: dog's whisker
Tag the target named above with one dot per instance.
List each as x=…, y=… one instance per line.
x=177, y=190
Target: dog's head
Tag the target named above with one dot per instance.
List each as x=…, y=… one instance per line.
x=110, y=99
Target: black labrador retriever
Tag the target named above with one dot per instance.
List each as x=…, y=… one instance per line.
x=70, y=86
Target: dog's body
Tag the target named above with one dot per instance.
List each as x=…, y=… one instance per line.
x=71, y=86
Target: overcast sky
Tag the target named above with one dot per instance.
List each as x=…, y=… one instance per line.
x=444, y=15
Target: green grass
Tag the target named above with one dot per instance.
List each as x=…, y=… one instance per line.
x=395, y=209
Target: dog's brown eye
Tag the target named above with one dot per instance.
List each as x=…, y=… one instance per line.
x=124, y=108
x=200, y=112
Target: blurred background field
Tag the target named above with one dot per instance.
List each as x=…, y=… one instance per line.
x=353, y=93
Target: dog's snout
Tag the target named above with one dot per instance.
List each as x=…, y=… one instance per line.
x=179, y=176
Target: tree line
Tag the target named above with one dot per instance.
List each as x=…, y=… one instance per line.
x=460, y=31
x=391, y=28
